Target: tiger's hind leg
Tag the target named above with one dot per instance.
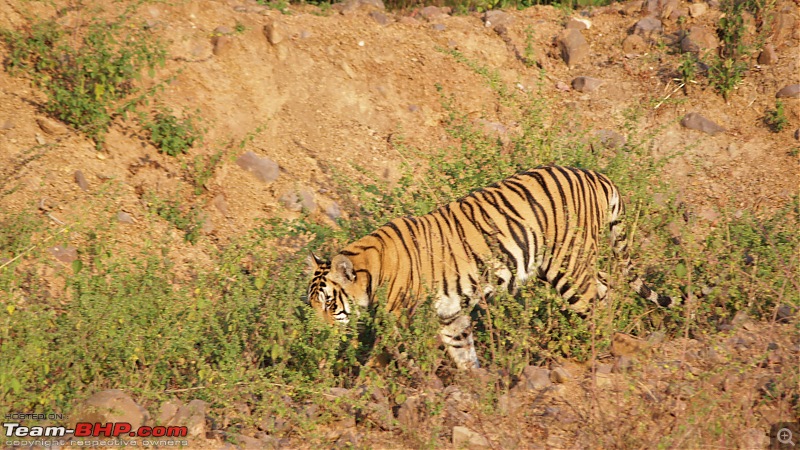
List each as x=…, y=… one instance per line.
x=456, y=335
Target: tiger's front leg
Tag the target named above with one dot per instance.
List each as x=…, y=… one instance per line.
x=456, y=333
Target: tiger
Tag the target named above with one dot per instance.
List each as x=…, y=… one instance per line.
x=543, y=222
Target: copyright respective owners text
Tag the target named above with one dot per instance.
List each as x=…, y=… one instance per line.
x=784, y=435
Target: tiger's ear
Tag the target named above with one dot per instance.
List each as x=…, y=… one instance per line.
x=342, y=270
x=313, y=261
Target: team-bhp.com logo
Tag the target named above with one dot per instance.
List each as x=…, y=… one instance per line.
x=93, y=430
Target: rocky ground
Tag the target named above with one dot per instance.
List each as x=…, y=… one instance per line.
x=313, y=92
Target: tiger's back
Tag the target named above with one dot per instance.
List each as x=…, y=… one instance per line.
x=544, y=222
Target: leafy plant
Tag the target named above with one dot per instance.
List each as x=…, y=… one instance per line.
x=775, y=119
x=687, y=70
x=171, y=135
x=87, y=72
x=187, y=219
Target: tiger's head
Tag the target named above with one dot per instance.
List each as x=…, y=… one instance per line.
x=333, y=288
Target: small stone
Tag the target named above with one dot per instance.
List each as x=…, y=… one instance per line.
x=64, y=254
x=221, y=45
x=697, y=9
x=626, y=345
x=262, y=167
x=80, y=179
x=495, y=17
x=604, y=380
x=40, y=139
x=7, y=125
x=634, y=44
x=700, y=40
x=785, y=313
x=790, y=91
x=431, y=13
x=578, y=23
x=221, y=204
x=561, y=86
x=647, y=27
x=348, y=439
x=695, y=121
x=297, y=200
x=586, y=84
x=381, y=18
x=797, y=134
x=508, y=403
x=274, y=32
x=167, y=411
x=123, y=217
x=193, y=416
x=333, y=211
x=222, y=29
x=754, y=438
x=574, y=47
x=535, y=377
x=623, y=364
x=50, y=126
x=408, y=414
x=438, y=27
x=560, y=375
x=610, y=139
x=463, y=437
x=113, y=405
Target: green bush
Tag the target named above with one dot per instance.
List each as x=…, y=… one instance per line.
x=171, y=135
x=87, y=73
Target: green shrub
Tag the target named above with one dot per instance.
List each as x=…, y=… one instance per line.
x=171, y=135
x=87, y=73
x=775, y=119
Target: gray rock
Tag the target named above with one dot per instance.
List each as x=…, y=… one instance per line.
x=560, y=375
x=333, y=211
x=222, y=29
x=80, y=179
x=535, y=377
x=65, y=254
x=113, y=405
x=352, y=6
x=623, y=364
x=438, y=27
x=697, y=9
x=495, y=17
x=221, y=204
x=626, y=345
x=244, y=441
x=610, y=139
x=50, y=126
x=7, y=125
x=274, y=32
x=348, y=439
x=464, y=437
x=768, y=56
x=573, y=46
x=380, y=18
x=297, y=200
x=634, y=44
x=586, y=84
x=262, y=167
x=783, y=26
x=167, y=411
x=221, y=45
x=192, y=416
x=432, y=13
x=696, y=121
x=790, y=91
x=785, y=313
x=408, y=414
x=797, y=134
x=509, y=403
x=700, y=40
x=753, y=438
x=123, y=217
x=578, y=23
x=647, y=27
